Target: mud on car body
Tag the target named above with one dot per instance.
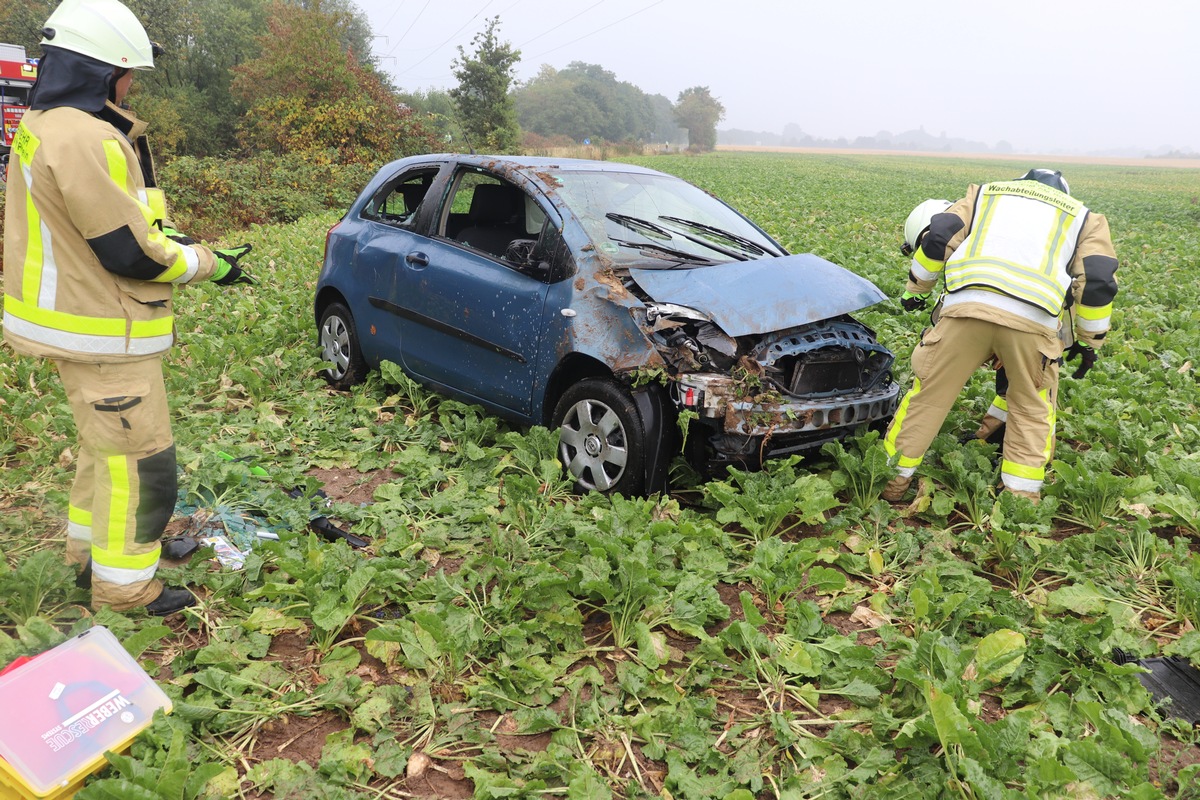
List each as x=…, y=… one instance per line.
x=601, y=300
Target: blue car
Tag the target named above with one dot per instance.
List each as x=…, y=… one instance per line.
x=602, y=300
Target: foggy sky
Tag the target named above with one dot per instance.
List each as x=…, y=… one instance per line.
x=1044, y=75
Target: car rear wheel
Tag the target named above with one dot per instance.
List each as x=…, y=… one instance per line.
x=601, y=439
x=339, y=348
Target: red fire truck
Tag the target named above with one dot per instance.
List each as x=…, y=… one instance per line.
x=17, y=75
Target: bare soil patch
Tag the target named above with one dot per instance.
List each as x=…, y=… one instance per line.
x=351, y=486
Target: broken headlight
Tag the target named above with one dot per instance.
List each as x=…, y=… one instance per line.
x=687, y=339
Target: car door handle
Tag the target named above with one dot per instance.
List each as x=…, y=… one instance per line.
x=417, y=259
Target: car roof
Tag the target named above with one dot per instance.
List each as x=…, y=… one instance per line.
x=534, y=164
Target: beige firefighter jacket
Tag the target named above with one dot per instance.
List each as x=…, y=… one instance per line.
x=88, y=272
x=1092, y=270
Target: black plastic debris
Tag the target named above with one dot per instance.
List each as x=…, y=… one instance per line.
x=1172, y=681
x=323, y=527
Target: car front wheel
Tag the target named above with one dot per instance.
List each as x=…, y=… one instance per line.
x=339, y=348
x=601, y=439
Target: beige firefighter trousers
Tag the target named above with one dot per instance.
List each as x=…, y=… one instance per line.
x=944, y=361
x=125, y=480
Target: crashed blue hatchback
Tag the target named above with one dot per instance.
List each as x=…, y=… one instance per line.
x=602, y=300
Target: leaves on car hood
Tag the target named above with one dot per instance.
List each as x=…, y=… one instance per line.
x=769, y=294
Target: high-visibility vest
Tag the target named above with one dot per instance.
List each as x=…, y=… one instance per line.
x=1023, y=237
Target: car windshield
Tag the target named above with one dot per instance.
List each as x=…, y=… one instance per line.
x=657, y=220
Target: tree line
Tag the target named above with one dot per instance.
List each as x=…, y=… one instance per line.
x=288, y=76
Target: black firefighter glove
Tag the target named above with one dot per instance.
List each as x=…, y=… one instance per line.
x=228, y=271
x=176, y=236
x=913, y=302
x=1086, y=356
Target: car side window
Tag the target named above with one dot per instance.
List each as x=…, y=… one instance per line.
x=397, y=202
x=495, y=217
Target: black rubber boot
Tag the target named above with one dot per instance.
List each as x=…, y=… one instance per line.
x=170, y=601
x=84, y=579
x=995, y=437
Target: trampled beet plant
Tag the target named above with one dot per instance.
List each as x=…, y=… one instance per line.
x=764, y=634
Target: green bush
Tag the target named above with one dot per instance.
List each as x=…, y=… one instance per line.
x=210, y=197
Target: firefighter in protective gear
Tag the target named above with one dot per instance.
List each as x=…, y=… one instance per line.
x=88, y=283
x=1014, y=256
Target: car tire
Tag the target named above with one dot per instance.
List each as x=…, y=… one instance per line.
x=339, y=347
x=601, y=439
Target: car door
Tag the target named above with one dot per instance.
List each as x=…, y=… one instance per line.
x=474, y=321
x=391, y=226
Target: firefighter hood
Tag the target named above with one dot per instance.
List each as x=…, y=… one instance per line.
x=67, y=78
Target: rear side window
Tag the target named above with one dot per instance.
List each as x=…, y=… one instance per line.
x=399, y=199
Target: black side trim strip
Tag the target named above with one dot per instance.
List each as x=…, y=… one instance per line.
x=442, y=327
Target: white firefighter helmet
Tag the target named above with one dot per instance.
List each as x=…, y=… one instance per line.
x=105, y=30
x=918, y=222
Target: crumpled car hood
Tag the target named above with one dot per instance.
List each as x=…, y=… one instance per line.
x=769, y=294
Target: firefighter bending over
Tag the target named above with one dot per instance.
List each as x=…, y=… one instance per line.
x=1015, y=256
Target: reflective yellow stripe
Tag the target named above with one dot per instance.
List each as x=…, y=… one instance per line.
x=1052, y=418
x=112, y=554
x=1012, y=278
x=157, y=203
x=79, y=516
x=1000, y=402
x=109, y=558
x=1054, y=246
x=93, y=326
x=928, y=263
x=179, y=267
x=981, y=223
x=1036, y=473
x=24, y=147
x=889, y=442
x=31, y=281
x=118, y=167
x=1094, y=312
x=1017, y=470
x=153, y=208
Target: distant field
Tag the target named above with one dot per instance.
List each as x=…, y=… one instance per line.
x=1049, y=160
x=777, y=634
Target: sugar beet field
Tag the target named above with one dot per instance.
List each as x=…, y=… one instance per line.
x=774, y=634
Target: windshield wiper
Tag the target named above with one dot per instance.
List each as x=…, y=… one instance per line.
x=665, y=253
x=753, y=247
x=640, y=225
x=643, y=225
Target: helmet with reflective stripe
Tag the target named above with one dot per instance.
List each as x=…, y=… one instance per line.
x=105, y=30
x=1051, y=177
x=918, y=222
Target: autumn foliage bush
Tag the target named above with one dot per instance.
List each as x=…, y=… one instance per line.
x=317, y=127
x=313, y=98
x=210, y=197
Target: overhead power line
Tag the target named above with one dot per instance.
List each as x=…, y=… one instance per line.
x=447, y=39
x=396, y=11
x=598, y=30
x=559, y=25
x=410, y=27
